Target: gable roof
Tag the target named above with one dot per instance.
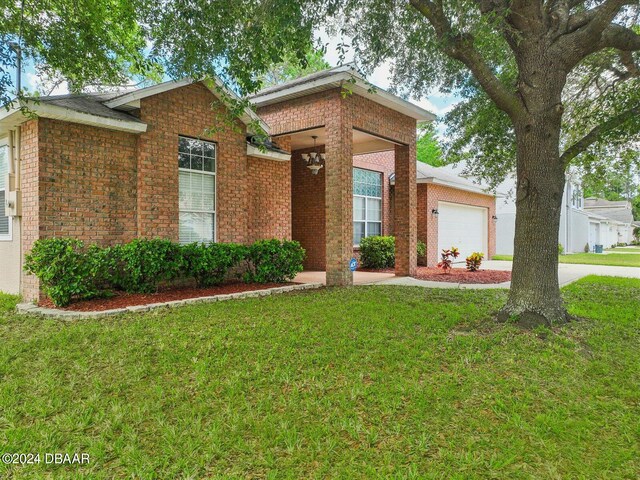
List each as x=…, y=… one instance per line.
x=84, y=108
x=619, y=210
x=215, y=86
x=337, y=77
x=440, y=176
x=108, y=110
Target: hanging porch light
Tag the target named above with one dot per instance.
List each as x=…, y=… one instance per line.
x=314, y=159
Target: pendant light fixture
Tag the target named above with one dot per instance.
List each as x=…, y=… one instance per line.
x=314, y=159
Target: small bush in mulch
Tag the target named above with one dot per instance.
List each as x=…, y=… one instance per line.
x=459, y=275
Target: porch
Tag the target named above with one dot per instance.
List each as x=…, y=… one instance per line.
x=320, y=118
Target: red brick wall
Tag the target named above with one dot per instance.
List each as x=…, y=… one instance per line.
x=269, y=199
x=189, y=111
x=87, y=182
x=107, y=186
x=29, y=180
x=308, y=211
x=428, y=197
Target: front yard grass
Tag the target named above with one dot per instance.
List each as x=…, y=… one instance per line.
x=611, y=259
x=361, y=382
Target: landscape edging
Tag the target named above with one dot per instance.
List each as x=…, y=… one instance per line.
x=31, y=309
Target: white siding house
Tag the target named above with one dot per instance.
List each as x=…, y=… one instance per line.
x=574, y=221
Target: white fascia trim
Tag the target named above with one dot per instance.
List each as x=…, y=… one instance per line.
x=135, y=96
x=60, y=113
x=361, y=87
x=253, y=151
x=457, y=186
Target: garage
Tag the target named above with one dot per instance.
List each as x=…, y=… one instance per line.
x=462, y=226
x=594, y=234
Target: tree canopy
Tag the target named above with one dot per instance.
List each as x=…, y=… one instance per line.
x=427, y=146
x=291, y=68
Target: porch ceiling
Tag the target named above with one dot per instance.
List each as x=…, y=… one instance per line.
x=363, y=142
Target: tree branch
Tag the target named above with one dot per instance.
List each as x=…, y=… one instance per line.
x=461, y=48
x=620, y=38
x=585, y=30
x=597, y=132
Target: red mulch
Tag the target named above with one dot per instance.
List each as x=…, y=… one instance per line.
x=461, y=275
x=122, y=299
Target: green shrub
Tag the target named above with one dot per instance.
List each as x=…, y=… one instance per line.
x=378, y=252
x=560, y=249
x=274, y=261
x=142, y=264
x=422, y=248
x=210, y=263
x=66, y=269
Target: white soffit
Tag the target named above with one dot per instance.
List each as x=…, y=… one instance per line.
x=14, y=117
x=253, y=151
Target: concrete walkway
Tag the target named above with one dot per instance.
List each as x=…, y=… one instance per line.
x=567, y=273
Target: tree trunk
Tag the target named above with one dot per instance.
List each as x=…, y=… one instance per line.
x=535, y=297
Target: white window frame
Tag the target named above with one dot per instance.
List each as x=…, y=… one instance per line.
x=9, y=236
x=366, y=210
x=215, y=187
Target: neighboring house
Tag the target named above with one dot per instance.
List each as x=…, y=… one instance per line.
x=574, y=229
x=611, y=221
x=454, y=212
x=107, y=168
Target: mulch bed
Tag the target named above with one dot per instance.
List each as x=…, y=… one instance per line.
x=461, y=275
x=122, y=299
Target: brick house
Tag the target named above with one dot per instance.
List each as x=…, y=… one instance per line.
x=169, y=161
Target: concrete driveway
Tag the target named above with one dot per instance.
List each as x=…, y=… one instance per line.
x=569, y=272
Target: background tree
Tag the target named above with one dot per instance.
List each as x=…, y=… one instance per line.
x=291, y=68
x=85, y=43
x=427, y=145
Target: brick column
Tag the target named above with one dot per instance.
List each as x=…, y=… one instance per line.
x=339, y=194
x=405, y=214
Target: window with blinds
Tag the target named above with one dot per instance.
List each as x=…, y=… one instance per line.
x=5, y=222
x=367, y=204
x=197, y=204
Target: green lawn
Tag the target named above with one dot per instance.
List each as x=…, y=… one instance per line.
x=612, y=259
x=624, y=249
x=361, y=382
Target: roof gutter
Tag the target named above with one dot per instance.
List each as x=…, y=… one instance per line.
x=15, y=116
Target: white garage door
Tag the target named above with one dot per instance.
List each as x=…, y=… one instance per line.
x=464, y=227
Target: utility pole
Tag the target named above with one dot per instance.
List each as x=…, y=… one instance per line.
x=18, y=50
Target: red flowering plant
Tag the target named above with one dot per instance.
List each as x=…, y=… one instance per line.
x=447, y=258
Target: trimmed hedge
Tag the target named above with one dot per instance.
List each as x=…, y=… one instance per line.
x=69, y=270
x=66, y=269
x=380, y=251
x=210, y=263
x=274, y=261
